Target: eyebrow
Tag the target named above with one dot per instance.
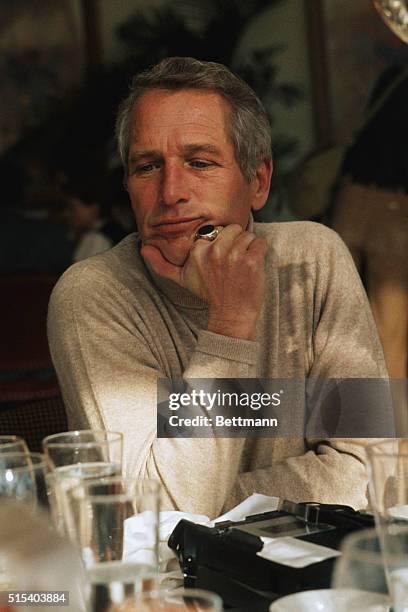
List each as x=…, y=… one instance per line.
x=202, y=147
x=189, y=149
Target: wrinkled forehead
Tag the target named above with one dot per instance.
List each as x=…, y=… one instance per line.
x=163, y=107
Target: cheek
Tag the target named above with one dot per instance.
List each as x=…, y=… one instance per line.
x=139, y=209
x=238, y=204
x=142, y=201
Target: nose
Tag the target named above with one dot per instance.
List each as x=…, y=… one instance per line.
x=174, y=185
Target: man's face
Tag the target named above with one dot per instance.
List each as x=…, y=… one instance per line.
x=182, y=170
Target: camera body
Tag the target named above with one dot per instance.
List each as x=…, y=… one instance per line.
x=224, y=558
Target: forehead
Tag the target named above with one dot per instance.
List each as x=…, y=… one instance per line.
x=189, y=109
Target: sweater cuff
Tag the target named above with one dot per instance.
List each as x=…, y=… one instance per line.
x=226, y=347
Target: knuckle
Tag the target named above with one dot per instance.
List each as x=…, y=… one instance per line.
x=252, y=264
x=234, y=230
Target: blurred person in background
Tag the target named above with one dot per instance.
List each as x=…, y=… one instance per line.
x=371, y=215
x=32, y=238
x=88, y=213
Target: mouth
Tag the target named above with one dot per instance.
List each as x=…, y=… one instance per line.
x=174, y=227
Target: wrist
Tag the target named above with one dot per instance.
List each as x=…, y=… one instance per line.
x=244, y=329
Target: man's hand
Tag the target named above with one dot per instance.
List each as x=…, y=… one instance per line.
x=229, y=273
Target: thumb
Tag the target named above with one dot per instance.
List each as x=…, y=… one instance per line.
x=160, y=265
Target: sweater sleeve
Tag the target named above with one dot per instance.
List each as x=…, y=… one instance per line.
x=107, y=364
x=345, y=345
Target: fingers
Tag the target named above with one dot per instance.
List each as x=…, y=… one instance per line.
x=258, y=247
x=232, y=242
x=244, y=241
x=228, y=234
x=160, y=265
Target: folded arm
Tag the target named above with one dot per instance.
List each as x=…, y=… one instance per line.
x=105, y=357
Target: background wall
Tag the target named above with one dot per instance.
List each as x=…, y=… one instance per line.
x=282, y=25
x=359, y=47
x=285, y=24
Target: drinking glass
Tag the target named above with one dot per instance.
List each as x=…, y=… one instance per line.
x=75, y=456
x=179, y=600
x=13, y=444
x=375, y=565
x=23, y=477
x=86, y=447
x=100, y=511
x=33, y=558
x=388, y=481
x=388, y=485
x=360, y=570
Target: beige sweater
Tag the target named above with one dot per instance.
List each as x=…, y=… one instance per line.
x=114, y=328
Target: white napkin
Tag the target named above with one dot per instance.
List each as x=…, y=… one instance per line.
x=398, y=512
x=295, y=553
x=137, y=544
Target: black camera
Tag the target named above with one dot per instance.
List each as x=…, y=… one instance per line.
x=224, y=558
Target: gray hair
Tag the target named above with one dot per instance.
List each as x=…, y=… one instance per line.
x=248, y=127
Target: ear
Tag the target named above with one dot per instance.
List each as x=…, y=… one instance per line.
x=261, y=184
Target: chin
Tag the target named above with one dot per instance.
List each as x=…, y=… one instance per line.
x=175, y=254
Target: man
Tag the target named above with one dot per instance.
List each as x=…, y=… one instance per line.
x=260, y=301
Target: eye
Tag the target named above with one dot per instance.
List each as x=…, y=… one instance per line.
x=200, y=164
x=145, y=168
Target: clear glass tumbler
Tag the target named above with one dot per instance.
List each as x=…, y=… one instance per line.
x=388, y=480
x=13, y=444
x=75, y=456
x=374, y=566
x=103, y=513
x=23, y=477
x=179, y=600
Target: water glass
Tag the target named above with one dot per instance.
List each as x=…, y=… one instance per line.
x=375, y=564
x=75, y=456
x=33, y=558
x=103, y=512
x=179, y=600
x=23, y=477
x=388, y=481
x=13, y=444
x=84, y=446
